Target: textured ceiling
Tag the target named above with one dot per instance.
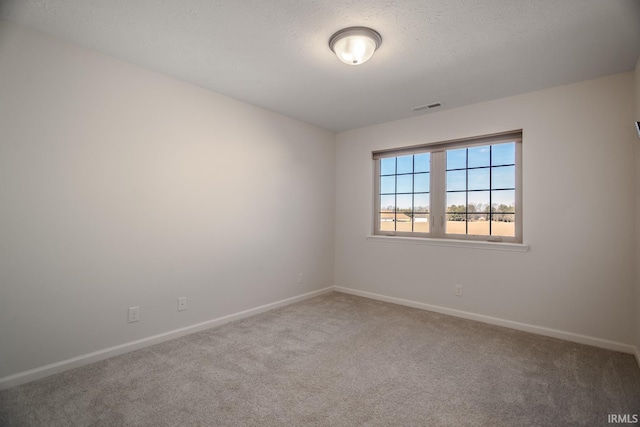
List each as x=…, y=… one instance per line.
x=274, y=54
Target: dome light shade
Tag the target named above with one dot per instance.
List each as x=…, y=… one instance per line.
x=355, y=45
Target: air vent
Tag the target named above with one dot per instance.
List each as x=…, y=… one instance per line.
x=425, y=107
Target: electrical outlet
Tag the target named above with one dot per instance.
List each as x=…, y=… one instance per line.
x=458, y=291
x=300, y=278
x=134, y=314
x=182, y=304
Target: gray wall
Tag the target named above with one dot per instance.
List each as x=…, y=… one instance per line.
x=122, y=187
x=637, y=261
x=579, y=201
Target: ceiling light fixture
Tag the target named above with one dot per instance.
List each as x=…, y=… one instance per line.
x=355, y=45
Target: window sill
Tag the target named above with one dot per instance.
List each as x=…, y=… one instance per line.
x=470, y=244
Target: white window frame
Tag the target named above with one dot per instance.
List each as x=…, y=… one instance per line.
x=437, y=190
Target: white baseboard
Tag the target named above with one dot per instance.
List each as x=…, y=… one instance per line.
x=85, y=359
x=539, y=330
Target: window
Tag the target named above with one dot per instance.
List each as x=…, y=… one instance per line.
x=463, y=189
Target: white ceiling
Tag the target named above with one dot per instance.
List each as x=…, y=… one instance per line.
x=274, y=53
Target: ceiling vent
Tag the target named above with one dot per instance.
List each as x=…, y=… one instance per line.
x=426, y=107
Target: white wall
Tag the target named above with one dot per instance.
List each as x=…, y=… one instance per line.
x=578, y=161
x=123, y=187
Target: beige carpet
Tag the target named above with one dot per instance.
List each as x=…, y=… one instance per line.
x=339, y=360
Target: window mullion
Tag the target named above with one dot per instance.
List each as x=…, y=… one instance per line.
x=438, y=193
x=376, y=198
x=395, y=198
